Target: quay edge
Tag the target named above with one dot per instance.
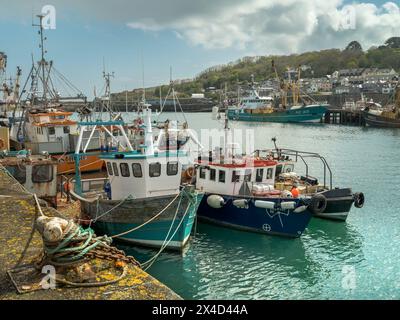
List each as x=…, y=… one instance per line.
x=17, y=213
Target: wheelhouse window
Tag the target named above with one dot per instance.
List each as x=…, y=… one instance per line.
x=18, y=172
x=202, y=173
x=247, y=175
x=172, y=168
x=42, y=173
x=109, y=169
x=137, y=170
x=66, y=129
x=213, y=173
x=278, y=170
x=124, y=167
x=235, y=176
x=115, y=169
x=221, y=176
x=51, y=130
x=259, y=175
x=288, y=168
x=270, y=173
x=155, y=169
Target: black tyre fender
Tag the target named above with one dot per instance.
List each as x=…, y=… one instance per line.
x=359, y=199
x=318, y=203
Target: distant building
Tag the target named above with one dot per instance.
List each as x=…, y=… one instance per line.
x=362, y=75
x=197, y=95
x=314, y=85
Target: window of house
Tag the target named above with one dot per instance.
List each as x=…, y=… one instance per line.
x=42, y=173
x=202, y=173
x=259, y=175
x=155, y=169
x=124, y=169
x=137, y=170
x=270, y=172
x=221, y=176
x=109, y=169
x=115, y=169
x=235, y=176
x=172, y=168
x=66, y=129
x=212, y=174
x=52, y=130
x=18, y=172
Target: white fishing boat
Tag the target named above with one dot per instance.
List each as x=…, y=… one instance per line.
x=143, y=200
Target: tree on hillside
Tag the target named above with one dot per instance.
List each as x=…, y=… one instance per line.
x=393, y=42
x=354, y=46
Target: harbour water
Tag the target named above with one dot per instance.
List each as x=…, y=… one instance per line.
x=358, y=259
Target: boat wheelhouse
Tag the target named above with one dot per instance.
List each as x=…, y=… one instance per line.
x=52, y=131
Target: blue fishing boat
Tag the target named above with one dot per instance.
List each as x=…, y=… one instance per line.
x=240, y=194
x=143, y=200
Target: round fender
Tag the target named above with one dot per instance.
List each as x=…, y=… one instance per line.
x=318, y=203
x=359, y=199
x=215, y=201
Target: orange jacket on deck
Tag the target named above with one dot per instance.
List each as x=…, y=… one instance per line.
x=295, y=192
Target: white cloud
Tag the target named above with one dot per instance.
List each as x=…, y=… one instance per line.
x=259, y=26
x=281, y=26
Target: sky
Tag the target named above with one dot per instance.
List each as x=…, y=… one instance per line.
x=187, y=35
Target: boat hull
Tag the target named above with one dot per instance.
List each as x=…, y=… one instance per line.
x=133, y=213
x=256, y=219
x=304, y=114
x=379, y=121
x=87, y=163
x=339, y=204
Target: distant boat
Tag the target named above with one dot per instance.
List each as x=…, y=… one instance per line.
x=387, y=118
x=255, y=108
x=306, y=113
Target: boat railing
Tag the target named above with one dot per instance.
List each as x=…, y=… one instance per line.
x=286, y=154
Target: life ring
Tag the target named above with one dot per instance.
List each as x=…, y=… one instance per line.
x=359, y=199
x=2, y=144
x=318, y=203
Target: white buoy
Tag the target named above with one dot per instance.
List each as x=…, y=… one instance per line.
x=264, y=204
x=241, y=203
x=288, y=205
x=215, y=201
x=300, y=209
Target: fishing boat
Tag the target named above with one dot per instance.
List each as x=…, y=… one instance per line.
x=44, y=126
x=255, y=108
x=388, y=117
x=239, y=193
x=322, y=199
x=143, y=200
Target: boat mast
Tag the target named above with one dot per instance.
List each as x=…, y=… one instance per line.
x=42, y=62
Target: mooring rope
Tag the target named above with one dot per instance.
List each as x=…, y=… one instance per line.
x=148, y=221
